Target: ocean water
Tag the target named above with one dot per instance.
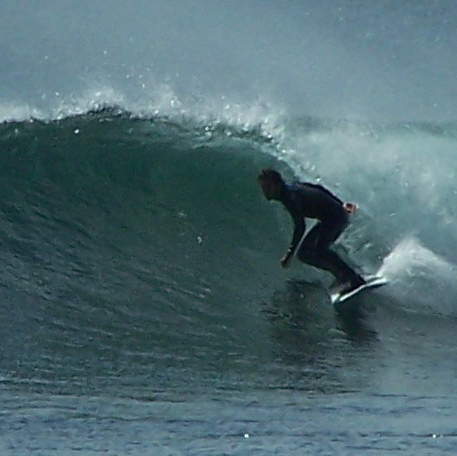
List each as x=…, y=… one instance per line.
x=143, y=307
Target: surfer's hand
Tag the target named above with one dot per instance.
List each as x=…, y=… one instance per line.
x=285, y=260
x=351, y=208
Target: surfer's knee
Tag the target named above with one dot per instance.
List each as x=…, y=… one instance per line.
x=308, y=256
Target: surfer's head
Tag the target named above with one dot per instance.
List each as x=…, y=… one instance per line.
x=272, y=183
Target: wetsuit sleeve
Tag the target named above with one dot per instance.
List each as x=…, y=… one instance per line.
x=299, y=230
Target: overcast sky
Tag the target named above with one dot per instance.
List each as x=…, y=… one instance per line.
x=383, y=60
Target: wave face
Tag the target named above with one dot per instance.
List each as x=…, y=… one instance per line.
x=142, y=306
x=134, y=248
x=129, y=239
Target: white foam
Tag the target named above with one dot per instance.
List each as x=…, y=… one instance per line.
x=425, y=280
x=91, y=100
x=153, y=99
x=14, y=112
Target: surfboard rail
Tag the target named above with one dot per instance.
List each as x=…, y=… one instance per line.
x=371, y=282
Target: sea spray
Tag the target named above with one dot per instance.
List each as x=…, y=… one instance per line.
x=420, y=279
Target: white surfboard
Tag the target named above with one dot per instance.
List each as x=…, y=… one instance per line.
x=371, y=282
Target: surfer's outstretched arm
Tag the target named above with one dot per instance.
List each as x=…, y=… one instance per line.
x=299, y=231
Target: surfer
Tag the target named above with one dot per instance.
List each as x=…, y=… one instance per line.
x=305, y=200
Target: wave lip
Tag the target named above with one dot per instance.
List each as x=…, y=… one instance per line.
x=12, y=112
x=156, y=101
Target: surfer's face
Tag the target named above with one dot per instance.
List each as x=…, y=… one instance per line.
x=270, y=188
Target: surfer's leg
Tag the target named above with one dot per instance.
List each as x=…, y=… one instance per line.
x=311, y=252
x=315, y=250
x=328, y=235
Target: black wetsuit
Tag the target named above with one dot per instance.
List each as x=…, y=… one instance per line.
x=315, y=201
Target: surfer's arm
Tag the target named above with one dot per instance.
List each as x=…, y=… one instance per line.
x=299, y=230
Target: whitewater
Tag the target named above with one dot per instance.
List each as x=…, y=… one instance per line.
x=143, y=306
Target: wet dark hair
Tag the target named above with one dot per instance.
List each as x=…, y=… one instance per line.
x=271, y=175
